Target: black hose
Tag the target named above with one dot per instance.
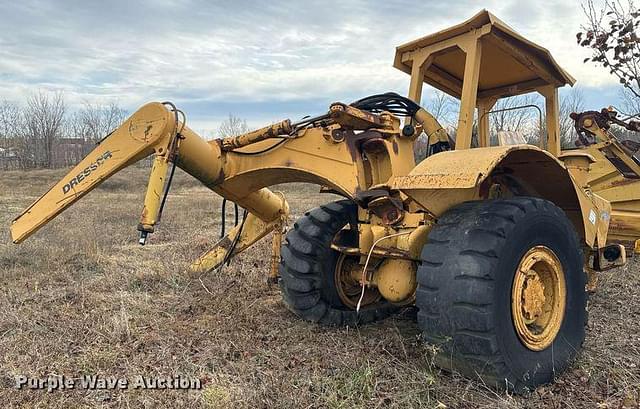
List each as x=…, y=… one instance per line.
x=235, y=211
x=177, y=114
x=390, y=102
x=262, y=151
x=224, y=217
x=229, y=254
x=167, y=186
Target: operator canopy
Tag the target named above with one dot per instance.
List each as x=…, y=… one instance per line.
x=510, y=64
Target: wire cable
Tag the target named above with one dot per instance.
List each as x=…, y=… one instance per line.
x=227, y=257
x=173, y=159
x=223, y=214
x=223, y=217
x=366, y=263
x=166, y=188
x=262, y=151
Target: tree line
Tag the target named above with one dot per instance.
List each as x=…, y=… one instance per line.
x=43, y=132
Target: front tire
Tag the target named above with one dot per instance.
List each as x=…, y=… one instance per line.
x=501, y=291
x=310, y=271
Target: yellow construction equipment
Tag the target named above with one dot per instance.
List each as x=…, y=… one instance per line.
x=491, y=244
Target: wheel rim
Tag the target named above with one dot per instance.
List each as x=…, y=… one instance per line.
x=348, y=286
x=538, y=298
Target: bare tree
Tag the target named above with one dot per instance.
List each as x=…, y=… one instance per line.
x=232, y=126
x=9, y=130
x=44, y=134
x=441, y=106
x=77, y=127
x=9, y=119
x=572, y=101
x=99, y=120
x=43, y=123
x=611, y=32
x=90, y=124
x=630, y=103
x=629, y=107
x=515, y=114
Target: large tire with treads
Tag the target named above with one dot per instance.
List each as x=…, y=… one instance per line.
x=307, y=269
x=465, y=284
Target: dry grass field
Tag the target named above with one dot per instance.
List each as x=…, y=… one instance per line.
x=81, y=297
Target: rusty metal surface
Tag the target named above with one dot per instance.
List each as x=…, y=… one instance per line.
x=457, y=169
x=272, y=131
x=449, y=178
x=350, y=117
x=379, y=251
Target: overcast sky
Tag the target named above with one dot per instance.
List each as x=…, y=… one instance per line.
x=262, y=61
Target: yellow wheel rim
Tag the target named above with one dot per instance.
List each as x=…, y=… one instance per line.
x=347, y=281
x=538, y=298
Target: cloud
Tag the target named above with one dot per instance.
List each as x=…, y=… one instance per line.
x=241, y=54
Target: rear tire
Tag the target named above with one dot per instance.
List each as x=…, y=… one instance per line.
x=308, y=264
x=466, y=291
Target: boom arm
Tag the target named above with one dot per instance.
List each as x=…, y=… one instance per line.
x=328, y=150
x=151, y=129
x=154, y=129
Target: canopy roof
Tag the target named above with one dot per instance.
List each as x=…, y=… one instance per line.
x=510, y=64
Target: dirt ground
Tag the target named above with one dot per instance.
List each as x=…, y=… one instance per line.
x=82, y=298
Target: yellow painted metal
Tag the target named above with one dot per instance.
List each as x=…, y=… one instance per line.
x=415, y=241
x=578, y=164
x=356, y=153
x=538, y=298
x=396, y=279
x=406, y=246
x=552, y=107
x=155, y=190
x=455, y=169
x=472, y=48
x=312, y=155
x=268, y=132
x=432, y=128
x=620, y=189
x=480, y=61
x=276, y=245
x=253, y=229
x=448, y=178
x=304, y=159
x=512, y=64
x=201, y=159
x=151, y=127
x=484, y=108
